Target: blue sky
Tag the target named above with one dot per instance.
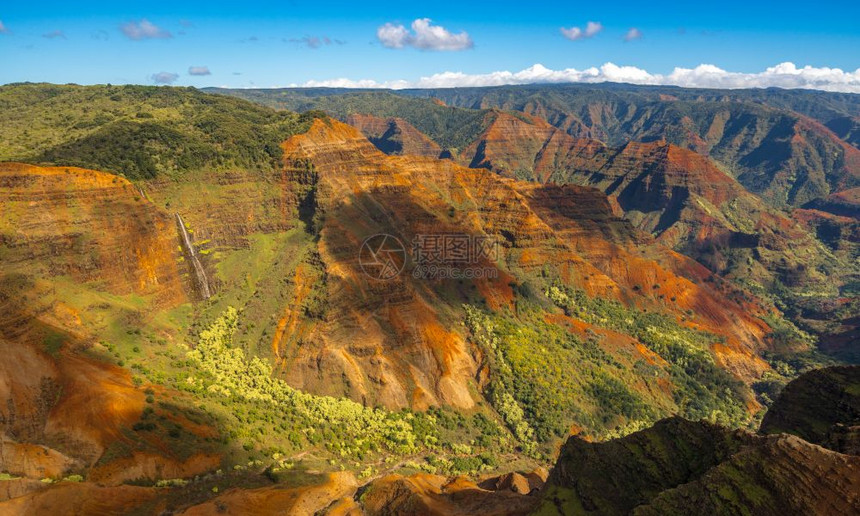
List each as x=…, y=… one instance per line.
x=266, y=44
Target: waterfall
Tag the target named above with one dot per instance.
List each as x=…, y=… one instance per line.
x=202, y=282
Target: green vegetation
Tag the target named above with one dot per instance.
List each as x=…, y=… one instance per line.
x=546, y=380
x=484, y=333
x=140, y=132
x=702, y=390
x=225, y=372
x=53, y=341
x=227, y=384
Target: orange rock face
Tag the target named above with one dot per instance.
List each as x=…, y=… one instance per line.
x=395, y=136
x=89, y=225
x=75, y=405
x=74, y=498
x=301, y=501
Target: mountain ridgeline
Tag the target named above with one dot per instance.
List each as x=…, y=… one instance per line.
x=194, y=319
x=780, y=144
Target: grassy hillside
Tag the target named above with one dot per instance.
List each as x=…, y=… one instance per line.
x=139, y=132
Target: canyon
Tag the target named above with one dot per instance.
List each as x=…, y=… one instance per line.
x=191, y=329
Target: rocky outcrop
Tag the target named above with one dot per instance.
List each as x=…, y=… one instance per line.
x=618, y=475
x=680, y=466
x=522, y=483
x=150, y=467
x=784, y=475
x=33, y=461
x=812, y=406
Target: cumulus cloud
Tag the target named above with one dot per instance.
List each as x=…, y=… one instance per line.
x=393, y=36
x=633, y=34
x=54, y=34
x=164, y=77
x=575, y=33
x=199, y=70
x=143, y=29
x=3, y=29
x=424, y=35
x=784, y=75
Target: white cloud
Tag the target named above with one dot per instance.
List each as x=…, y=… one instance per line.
x=424, y=36
x=393, y=36
x=54, y=34
x=633, y=34
x=343, y=82
x=784, y=75
x=143, y=30
x=575, y=33
x=199, y=70
x=164, y=77
x=3, y=29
